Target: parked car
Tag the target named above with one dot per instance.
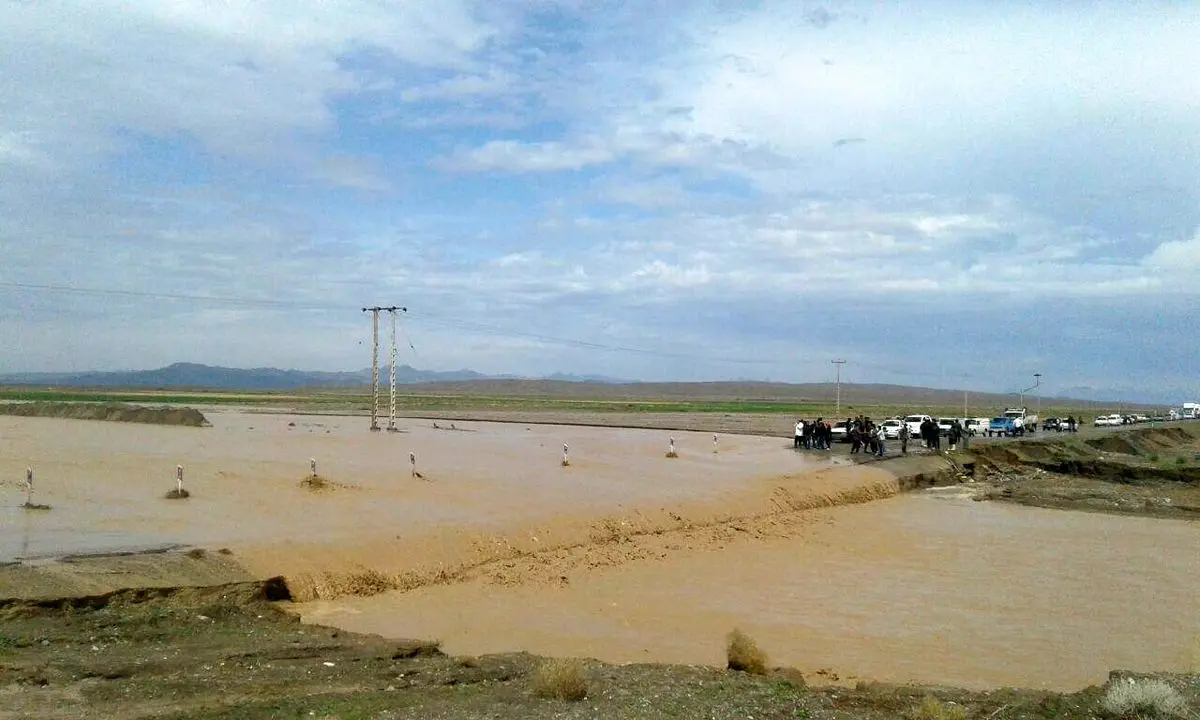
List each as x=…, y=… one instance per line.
x=914, y=424
x=944, y=426
x=1108, y=421
x=1053, y=424
x=976, y=426
x=840, y=431
x=891, y=429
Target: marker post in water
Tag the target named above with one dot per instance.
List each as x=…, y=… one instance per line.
x=714, y=443
x=412, y=460
x=178, y=493
x=671, y=453
x=312, y=466
x=29, y=487
x=566, y=456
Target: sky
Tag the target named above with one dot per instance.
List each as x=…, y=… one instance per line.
x=947, y=194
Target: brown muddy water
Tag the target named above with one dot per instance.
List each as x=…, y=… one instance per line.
x=927, y=588
x=105, y=481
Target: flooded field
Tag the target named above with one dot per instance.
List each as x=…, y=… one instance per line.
x=912, y=589
x=105, y=481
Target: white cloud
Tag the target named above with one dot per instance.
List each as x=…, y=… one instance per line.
x=516, y=157
x=1178, y=256
x=250, y=80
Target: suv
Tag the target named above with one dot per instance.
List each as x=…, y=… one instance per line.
x=914, y=424
x=1053, y=424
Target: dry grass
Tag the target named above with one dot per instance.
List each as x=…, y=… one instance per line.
x=1143, y=699
x=933, y=709
x=743, y=654
x=177, y=494
x=560, y=679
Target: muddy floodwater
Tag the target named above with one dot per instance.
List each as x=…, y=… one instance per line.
x=917, y=588
x=105, y=481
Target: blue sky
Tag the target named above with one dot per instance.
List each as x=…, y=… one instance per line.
x=947, y=194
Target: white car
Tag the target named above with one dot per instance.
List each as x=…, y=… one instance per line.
x=1108, y=421
x=914, y=424
x=840, y=432
x=891, y=429
x=977, y=426
x=944, y=426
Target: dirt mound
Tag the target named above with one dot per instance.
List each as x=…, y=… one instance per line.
x=1114, y=444
x=115, y=412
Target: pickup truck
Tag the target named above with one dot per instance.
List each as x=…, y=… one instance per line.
x=1023, y=420
x=1004, y=426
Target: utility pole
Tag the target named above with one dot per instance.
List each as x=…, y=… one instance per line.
x=838, y=363
x=1037, y=381
x=964, y=405
x=392, y=373
x=375, y=364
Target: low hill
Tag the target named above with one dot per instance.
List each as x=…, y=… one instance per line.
x=208, y=377
x=469, y=383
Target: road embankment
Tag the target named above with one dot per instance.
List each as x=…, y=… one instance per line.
x=112, y=412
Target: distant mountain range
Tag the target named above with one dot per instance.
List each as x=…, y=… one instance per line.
x=207, y=377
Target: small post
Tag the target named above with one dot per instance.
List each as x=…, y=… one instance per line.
x=566, y=456
x=29, y=486
x=671, y=449
x=179, y=479
x=714, y=443
x=312, y=466
x=412, y=460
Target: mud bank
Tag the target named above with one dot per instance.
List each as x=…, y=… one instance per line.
x=1144, y=471
x=113, y=412
x=58, y=579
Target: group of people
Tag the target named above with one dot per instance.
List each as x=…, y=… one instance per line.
x=864, y=435
x=813, y=435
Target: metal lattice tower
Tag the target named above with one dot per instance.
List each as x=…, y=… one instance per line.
x=375, y=365
x=392, y=377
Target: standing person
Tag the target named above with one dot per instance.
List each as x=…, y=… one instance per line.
x=955, y=434
x=799, y=436
x=904, y=436
x=879, y=440
x=818, y=433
